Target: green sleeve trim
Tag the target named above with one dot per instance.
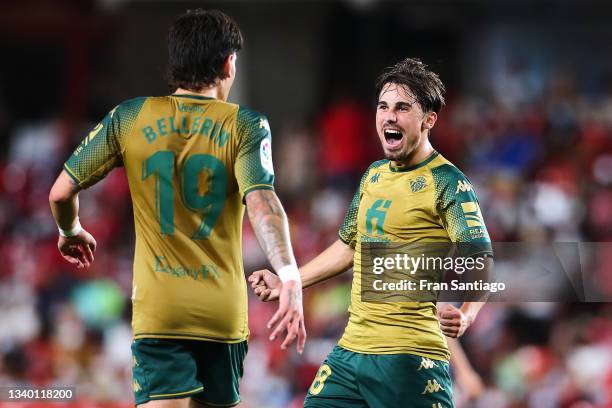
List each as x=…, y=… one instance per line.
x=71, y=174
x=345, y=241
x=257, y=187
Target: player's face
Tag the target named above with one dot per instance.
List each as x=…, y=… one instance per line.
x=401, y=124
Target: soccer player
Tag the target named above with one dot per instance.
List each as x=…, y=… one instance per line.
x=192, y=161
x=395, y=354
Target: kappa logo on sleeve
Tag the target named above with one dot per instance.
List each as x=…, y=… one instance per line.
x=265, y=155
x=463, y=186
x=264, y=124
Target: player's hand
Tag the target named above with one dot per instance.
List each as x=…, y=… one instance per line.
x=266, y=285
x=453, y=321
x=289, y=316
x=78, y=250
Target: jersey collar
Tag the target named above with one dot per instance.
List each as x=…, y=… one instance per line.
x=201, y=97
x=416, y=166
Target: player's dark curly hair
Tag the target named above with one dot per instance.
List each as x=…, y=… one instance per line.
x=424, y=84
x=199, y=41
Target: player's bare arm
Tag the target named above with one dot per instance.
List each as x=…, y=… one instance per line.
x=336, y=259
x=74, y=243
x=455, y=321
x=269, y=222
x=468, y=379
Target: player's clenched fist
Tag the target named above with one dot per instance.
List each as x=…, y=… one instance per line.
x=453, y=321
x=266, y=285
x=290, y=314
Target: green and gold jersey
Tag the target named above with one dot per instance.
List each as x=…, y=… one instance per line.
x=430, y=202
x=189, y=161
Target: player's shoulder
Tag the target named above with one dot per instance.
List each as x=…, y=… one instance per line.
x=448, y=176
x=377, y=165
x=250, y=120
x=129, y=107
x=372, y=170
x=246, y=114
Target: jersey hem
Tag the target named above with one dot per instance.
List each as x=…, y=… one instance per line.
x=179, y=336
x=397, y=351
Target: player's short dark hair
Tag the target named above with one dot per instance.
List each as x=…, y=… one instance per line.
x=424, y=83
x=199, y=42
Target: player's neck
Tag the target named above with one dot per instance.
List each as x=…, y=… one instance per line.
x=215, y=92
x=419, y=155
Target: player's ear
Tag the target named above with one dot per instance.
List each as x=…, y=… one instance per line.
x=229, y=66
x=429, y=120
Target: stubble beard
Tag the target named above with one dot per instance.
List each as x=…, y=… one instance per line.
x=402, y=156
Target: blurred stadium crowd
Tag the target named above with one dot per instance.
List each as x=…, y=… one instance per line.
x=542, y=167
x=538, y=152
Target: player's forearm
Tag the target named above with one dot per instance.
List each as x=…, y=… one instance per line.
x=329, y=263
x=471, y=309
x=477, y=299
x=459, y=360
x=64, y=202
x=269, y=222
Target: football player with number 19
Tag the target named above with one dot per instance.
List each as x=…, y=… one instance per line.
x=192, y=161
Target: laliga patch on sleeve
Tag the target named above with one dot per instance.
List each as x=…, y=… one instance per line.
x=265, y=155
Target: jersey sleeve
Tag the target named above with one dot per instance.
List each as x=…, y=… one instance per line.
x=101, y=150
x=458, y=209
x=348, y=229
x=254, y=169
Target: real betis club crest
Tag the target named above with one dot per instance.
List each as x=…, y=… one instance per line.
x=418, y=184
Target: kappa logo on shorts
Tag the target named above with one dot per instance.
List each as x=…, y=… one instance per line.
x=136, y=386
x=431, y=387
x=374, y=178
x=426, y=364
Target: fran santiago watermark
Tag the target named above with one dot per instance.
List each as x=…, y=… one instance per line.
x=505, y=272
x=410, y=264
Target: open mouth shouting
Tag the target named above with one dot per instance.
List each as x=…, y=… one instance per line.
x=393, y=138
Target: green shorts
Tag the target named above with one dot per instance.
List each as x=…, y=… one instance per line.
x=206, y=371
x=355, y=380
